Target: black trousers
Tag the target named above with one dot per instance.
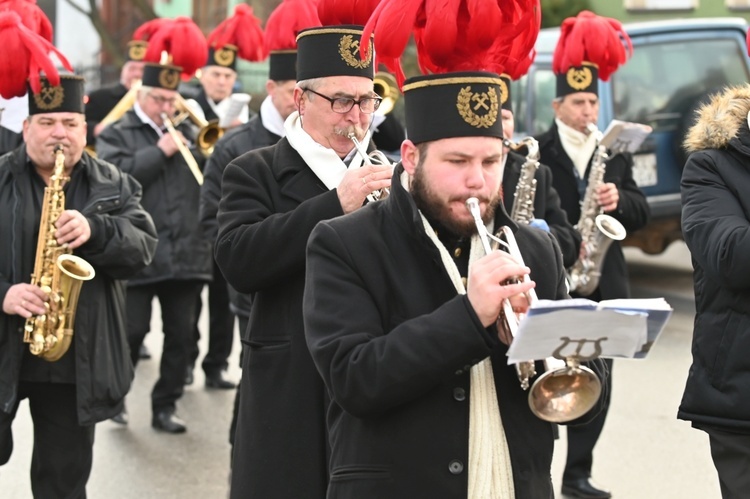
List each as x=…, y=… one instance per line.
x=582, y=439
x=63, y=450
x=731, y=455
x=244, y=321
x=177, y=300
x=220, y=327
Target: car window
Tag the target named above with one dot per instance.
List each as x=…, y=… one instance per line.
x=662, y=82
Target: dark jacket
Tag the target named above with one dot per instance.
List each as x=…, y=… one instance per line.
x=208, y=112
x=99, y=105
x=170, y=195
x=246, y=137
x=271, y=201
x=632, y=210
x=395, y=343
x=9, y=140
x=546, y=205
x=716, y=228
x=123, y=241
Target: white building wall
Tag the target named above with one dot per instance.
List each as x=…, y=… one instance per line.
x=75, y=36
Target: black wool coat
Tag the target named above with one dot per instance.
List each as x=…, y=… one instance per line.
x=394, y=343
x=271, y=201
x=236, y=142
x=123, y=241
x=632, y=210
x=170, y=194
x=100, y=103
x=546, y=205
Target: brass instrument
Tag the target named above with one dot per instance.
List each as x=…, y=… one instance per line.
x=523, y=199
x=208, y=132
x=374, y=158
x=384, y=84
x=186, y=154
x=597, y=229
x=58, y=273
x=566, y=390
x=124, y=105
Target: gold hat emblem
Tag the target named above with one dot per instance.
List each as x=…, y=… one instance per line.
x=478, y=109
x=224, y=56
x=169, y=78
x=49, y=98
x=137, y=51
x=349, y=50
x=579, y=78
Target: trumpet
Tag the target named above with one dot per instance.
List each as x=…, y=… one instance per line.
x=374, y=158
x=384, y=84
x=209, y=132
x=186, y=154
x=566, y=390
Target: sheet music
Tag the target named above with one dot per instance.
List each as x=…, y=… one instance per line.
x=624, y=136
x=236, y=103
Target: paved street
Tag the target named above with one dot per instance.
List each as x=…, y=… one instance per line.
x=644, y=452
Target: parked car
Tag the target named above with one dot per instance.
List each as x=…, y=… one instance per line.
x=676, y=65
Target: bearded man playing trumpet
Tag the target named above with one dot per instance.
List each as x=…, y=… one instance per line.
x=160, y=160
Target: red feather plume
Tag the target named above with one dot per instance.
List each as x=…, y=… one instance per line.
x=241, y=30
x=24, y=56
x=286, y=21
x=183, y=40
x=146, y=30
x=338, y=12
x=591, y=38
x=31, y=15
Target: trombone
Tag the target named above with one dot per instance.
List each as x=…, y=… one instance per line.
x=566, y=390
x=186, y=154
x=209, y=132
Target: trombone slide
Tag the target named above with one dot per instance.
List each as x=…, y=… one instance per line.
x=186, y=154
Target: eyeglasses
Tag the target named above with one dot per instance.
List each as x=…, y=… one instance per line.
x=343, y=105
x=163, y=100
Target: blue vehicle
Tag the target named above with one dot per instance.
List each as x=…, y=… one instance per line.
x=676, y=65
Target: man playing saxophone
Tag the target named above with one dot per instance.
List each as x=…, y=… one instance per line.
x=568, y=148
x=102, y=223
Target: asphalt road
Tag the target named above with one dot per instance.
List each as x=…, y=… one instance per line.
x=644, y=452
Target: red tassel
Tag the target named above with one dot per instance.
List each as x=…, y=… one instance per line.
x=24, y=56
x=31, y=15
x=594, y=39
x=286, y=21
x=183, y=40
x=241, y=30
x=338, y=12
x=146, y=30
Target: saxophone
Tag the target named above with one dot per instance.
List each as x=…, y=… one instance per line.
x=597, y=230
x=58, y=273
x=523, y=199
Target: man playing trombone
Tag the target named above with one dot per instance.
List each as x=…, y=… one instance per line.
x=141, y=145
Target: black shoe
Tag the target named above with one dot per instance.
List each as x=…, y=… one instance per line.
x=217, y=381
x=143, y=352
x=121, y=417
x=166, y=421
x=584, y=489
x=189, y=375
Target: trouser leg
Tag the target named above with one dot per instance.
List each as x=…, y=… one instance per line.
x=193, y=349
x=731, y=455
x=220, y=325
x=138, y=307
x=63, y=450
x=177, y=299
x=6, y=431
x=583, y=438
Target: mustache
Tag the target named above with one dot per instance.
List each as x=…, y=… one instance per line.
x=346, y=131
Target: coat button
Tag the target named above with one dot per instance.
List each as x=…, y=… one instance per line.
x=456, y=467
x=459, y=394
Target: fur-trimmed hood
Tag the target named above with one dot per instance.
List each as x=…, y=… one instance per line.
x=719, y=121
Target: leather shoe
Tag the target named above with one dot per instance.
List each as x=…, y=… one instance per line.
x=166, y=421
x=143, y=352
x=121, y=417
x=189, y=375
x=217, y=381
x=584, y=489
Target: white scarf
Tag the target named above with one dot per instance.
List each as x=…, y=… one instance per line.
x=577, y=145
x=324, y=162
x=271, y=117
x=490, y=468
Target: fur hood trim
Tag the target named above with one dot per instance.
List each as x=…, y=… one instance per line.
x=719, y=120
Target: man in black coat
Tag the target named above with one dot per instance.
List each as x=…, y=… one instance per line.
x=568, y=149
x=271, y=200
x=102, y=223
x=401, y=307
x=139, y=145
x=100, y=102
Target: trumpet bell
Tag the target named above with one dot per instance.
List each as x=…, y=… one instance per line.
x=384, y=84
x=564, y=394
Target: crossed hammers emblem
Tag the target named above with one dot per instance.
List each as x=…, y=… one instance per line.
x=481, y=100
